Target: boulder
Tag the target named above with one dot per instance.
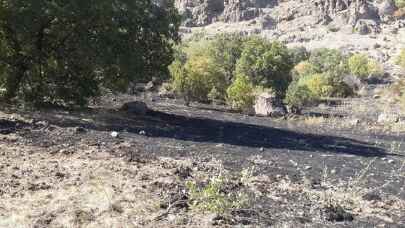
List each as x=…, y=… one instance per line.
x=267, y=104
x=364, y=27
x=135, y=107
x=166, y=92
x=387, y=8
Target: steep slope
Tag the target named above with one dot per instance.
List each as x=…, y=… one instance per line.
x=376, y=27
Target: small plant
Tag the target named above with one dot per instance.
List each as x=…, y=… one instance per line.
x=362, y=66
x=241, y=94
x=401, y=59
x=214, y=196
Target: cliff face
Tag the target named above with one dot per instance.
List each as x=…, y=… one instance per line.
x=205, y=12
x=372, y=26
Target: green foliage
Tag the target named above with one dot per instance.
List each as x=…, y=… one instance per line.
x=362, y=67
x=214, y=62
x=64, y=51
x=214, y=197
x=401, y=59
x=266, y=63
x=298, y=54
x=299, y=96
x=240, y=94
x=333, y=65
x=330, y=61
x=196, y=79
x=321, y=76
x=303, y=69
x=308, y=90
x=318, y=84
x=226, y=50
x=400, y=3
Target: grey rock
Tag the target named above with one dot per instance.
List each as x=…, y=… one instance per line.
x=267, y=104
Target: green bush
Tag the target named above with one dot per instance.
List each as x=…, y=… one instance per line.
x=401, y=59
x=240, y=94
x=333, y=65
x=302, y=69
x=329, y=61
x=361, y=66
x=64, y=52
x=208, y=67
x=400, y=3
x=299, y=96
x=318, y=84
x=196, y=79
x=226, y=49
x=266, y=64
x=298, y=54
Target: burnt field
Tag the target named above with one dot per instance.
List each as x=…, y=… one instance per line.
x=197, y=166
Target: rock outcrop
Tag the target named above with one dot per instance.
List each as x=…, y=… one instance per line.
x=267, y=104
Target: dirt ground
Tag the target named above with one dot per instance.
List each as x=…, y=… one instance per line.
x=63, y=168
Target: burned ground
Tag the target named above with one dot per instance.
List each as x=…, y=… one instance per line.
x=298, y=169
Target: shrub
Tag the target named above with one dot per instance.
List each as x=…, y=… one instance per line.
x=401, y=59
x=318, y=84
x=333, y=65
x=362, y=67
x=208, y=67
x=196, y=78
x=298, y=54
x=299, y=96
x=329, y=61
x=64, y=52
x=303, y=68
x=226, y=49
x=266, y=64
x=240, y=94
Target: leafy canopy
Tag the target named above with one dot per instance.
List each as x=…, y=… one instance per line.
x=266, y=64
x=64, y=51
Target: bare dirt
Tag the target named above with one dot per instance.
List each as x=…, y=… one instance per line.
x=62, y=168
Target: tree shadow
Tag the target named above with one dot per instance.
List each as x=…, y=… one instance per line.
x=201, y=129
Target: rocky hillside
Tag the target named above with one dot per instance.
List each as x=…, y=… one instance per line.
x=376, y=27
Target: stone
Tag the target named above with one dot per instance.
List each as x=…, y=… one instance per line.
x=388, y=118
x=354, y=122
x=135, y=107
x=387, y=8
x=80, y=130
x=114, y=134
x=364, y=27
x=267, y=104
x=165, y=91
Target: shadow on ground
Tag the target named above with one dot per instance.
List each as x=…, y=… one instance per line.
x=159, y=124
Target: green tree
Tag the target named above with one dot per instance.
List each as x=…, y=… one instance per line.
x=64, y=51
x=241, y=93
x=266, y=64
x=226, y=50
